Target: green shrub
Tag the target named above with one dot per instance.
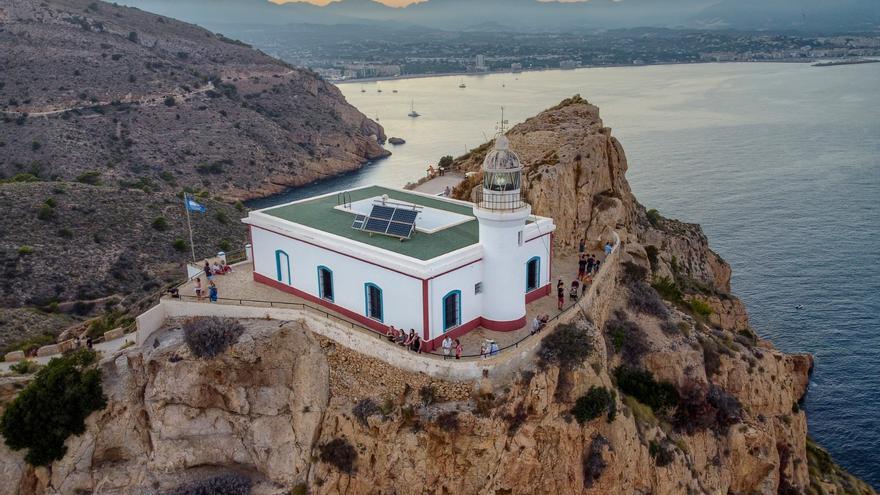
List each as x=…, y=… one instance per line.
x=65, y=233
x=224, y=245
x=338, y=453
x=448, y=421
x=160, y=224
x=667, y=288
x=221, y=217
x=633, y=273
x=209, y=337
x=567, y=347
x=643, y=387
x=24, y=367
x=239, y=206
x=363, y=409
x=91, y=177
x=596, y=402
x=53, y=407
x=46, y=213
x=179, y=245
x=653, y=256
x=445, y=161
x=662, y=455
x=700, y=308
x=35, y=145
x=169, y=101
x=25, y=250
x=627, y=339
x=428, y=394
x=50, y=202
x=133, y=36
x=654, y=217
x=644, y=299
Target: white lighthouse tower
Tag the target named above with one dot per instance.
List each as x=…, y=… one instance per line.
x=502, y=214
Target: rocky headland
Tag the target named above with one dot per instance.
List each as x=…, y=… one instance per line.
x=298, y=413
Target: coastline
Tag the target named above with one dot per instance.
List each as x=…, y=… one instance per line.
x=549, y=69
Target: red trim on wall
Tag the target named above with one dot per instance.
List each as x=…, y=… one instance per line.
x=503, y=326
x=539, y=236
x=454, y=334
x=538, y=293
x=457, y=268
x=370, y=323
x=425, y=317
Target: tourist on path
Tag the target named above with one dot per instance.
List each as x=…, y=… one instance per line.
x=582, y=265
x=493, y=348
x=208, y=272
x=582, y=246
x=596, y=266
x=560, y=293
x=198, y=288
x=573, y=292
x=591, y=262
x=458, y=349
x=608, y=248
x=447, y=346
x=391, y=334
x=212, y=292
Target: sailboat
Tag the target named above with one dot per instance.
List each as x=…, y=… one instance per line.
x=412, y=110
x=362, y=89
x=462, y=85
x=378, y=89
x=377, y=117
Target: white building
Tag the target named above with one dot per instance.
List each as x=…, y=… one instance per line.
x=480, y=65
x=464, y=265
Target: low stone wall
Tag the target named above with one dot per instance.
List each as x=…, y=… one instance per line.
x=596, y=304
x=14, y=356
x=48, y=350
x=113, y=334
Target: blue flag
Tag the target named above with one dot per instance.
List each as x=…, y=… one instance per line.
x=191, y=205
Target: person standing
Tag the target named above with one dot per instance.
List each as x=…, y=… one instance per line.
x=212, y=292
x=590, y=262
x=582, y=246
x=608, y=248
x=198, y=288
x=560, y=294
x=582, y=265
x=447, y=347
x=209, y=273
x=458, y=349
x=596, y=266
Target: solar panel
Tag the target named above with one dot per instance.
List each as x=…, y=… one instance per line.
x=405, y=216
x=382, y=212
x=376, y=225
x=399, y=229
x=359, y=222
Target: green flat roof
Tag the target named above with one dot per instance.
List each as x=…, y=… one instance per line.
x=321, y=214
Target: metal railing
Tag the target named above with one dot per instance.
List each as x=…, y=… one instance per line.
x=500, y=201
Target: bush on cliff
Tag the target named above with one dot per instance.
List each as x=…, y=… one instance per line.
x=365, y=408
x=642, y=386
x=644, y=299
x=567, y=347
x=338, y=453
x=53, y=407
x=211, y=336
x=224, y=484
x=627, y=338
x=593, y=404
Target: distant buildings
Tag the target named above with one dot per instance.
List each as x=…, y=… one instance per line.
x=569, y=64
x=516, y=68
x=481, y=64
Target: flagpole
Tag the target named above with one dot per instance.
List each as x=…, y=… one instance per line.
x=189, y=226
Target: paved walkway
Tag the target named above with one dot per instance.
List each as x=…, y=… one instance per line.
x=105, y=348
x=438, y=184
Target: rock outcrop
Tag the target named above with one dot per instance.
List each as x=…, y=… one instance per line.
x=292, y=410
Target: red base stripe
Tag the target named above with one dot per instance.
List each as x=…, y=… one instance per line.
x=538, y=294
x=370, y=323
x=503, y=326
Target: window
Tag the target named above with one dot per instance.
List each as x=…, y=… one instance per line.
x=451, y=310
x=533, y=273
x=282, y=267
x=478, y=288
x=325, y=283
x=373, y=301
x=519, y=237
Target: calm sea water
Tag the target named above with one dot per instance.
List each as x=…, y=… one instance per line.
x=779, y=163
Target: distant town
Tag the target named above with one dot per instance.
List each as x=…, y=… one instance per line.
x=374, y=53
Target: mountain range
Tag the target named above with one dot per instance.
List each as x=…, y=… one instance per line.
x=536, y=15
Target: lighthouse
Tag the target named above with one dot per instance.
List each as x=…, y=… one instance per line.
x=502, y=216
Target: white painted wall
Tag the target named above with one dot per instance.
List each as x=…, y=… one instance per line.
x=503, y=280
x=464, y=280
x=402, y=295
x=538, y=247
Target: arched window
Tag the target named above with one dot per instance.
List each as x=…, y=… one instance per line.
x=533, y=273
x=325, y=283
x=282, y=267
x=373, y=301
x=451, y=310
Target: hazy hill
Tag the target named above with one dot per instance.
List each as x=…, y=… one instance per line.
x=535, y=15
x=132, y=98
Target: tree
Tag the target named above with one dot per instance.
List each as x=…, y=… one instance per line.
x=53, y=407
x=445, y=162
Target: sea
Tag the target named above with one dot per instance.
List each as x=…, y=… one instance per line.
x=780, y=164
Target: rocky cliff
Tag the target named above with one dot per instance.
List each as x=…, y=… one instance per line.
x=299, y=413
x=89, y=87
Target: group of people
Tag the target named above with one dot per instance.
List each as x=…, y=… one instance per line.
x=414, y=343
x=489, y=348
x=212, y=292
x=539, y=323
x=211, y=270
x=218, y=268
x=588, y=265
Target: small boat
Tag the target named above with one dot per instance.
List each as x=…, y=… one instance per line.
x=378, y=89
x=394, y=91
x=377, y=117
x=462, y=85
x=412, y=110
x=362, y=89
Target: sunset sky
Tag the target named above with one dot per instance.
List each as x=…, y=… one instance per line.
x=393, y=3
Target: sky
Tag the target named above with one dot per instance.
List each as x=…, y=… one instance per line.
x=392, y=3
